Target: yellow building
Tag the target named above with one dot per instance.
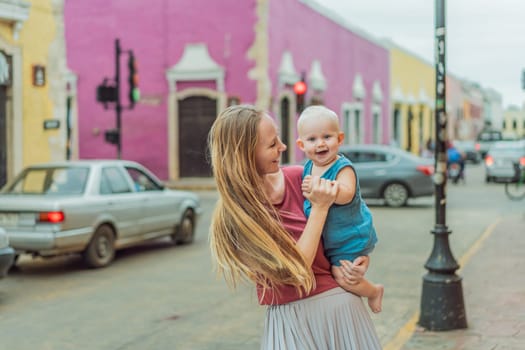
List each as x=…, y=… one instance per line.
x=33, y=121
x=412, y=86
x=514, y=123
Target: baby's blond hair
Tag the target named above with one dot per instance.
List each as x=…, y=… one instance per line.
x=316, y=113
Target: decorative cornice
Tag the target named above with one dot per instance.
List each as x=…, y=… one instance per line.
x=397, y=95
x=287, y=73
x=316, y=76
x=196, y=64
x=377, y=94
x=15, y=12
x=358, y=89
x=423, y=98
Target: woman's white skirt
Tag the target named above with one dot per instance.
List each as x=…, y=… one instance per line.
x=333, y=320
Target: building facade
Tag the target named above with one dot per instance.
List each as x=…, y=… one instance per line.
x=513, y=126
x=32, y=89
x=412, y=89
x=200, y=56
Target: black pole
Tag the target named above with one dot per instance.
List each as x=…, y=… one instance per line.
x=442, y=306
x=118, y=107
x=68, y=122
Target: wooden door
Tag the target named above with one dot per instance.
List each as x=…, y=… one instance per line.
x=285, y=129
x=196, y=116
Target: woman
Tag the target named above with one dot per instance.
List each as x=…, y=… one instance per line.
x=259, y=232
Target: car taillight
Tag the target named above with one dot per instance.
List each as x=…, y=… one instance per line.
x=477, y=146
x=522, y=161
x=426, y=169
x=53, y=217
x=489, y=161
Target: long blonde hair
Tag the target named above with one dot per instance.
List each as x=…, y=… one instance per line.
x=247, y=238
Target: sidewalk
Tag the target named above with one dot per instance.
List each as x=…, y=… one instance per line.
x=494, y=294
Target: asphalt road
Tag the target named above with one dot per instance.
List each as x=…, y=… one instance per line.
x=160, y=296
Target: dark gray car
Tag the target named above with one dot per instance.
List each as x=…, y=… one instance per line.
x=390, y=173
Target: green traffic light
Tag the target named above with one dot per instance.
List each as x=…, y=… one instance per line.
x=135, y=94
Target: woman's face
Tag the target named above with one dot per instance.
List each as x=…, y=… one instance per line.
x=269, y=147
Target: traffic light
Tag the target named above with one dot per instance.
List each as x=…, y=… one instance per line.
x=106, y=93
x=112, y=136
x=133, y=79
x=300, y=89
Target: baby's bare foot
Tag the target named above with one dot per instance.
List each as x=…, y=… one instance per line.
x=375, y=303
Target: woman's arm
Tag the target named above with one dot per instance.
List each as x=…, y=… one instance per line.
x=322, y=196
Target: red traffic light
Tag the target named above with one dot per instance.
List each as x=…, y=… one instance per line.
x=299, y=88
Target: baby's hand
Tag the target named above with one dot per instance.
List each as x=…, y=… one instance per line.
x=306, y=186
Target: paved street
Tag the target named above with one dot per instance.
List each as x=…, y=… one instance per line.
x=494, y=295
x=164, y=297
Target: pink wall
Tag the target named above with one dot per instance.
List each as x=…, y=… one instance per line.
x=158, y=30
x=310, y=36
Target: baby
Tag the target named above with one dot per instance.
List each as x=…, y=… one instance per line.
x=348, y=232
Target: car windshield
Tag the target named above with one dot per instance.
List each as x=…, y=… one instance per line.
x=490, y=136
x=464, y=144
x=51, y=181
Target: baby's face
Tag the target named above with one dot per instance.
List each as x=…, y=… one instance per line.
x=319, y=138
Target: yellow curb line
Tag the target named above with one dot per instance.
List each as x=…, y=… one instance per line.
x=406, y=332
x=475, y=247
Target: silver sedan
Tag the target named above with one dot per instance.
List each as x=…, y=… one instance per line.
x=93, y=207
x=501, y=160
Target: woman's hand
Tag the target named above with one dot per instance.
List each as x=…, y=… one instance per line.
x=321, y=193
x=354, y=272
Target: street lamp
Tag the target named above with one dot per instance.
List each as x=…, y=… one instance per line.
x=442, y=306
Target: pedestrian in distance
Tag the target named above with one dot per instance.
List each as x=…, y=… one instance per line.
x=259, y=233
x=348, y=232
x=455, y=158
x=428, y=150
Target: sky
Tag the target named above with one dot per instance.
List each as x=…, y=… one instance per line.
x=485, y=40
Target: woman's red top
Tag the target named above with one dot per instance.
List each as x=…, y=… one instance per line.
x=294, y=220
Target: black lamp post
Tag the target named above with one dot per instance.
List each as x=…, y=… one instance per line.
x=442, y=306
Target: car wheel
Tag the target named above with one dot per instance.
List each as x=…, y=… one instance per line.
x=185, y=231
x=395, y=195
x=13, y=263
x=101, y=249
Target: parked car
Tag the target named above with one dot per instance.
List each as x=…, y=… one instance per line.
x=7, y=253
x=486, y=139
x=501, y=160
x=93, y=207
x=470, y=150
x=390, y=173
